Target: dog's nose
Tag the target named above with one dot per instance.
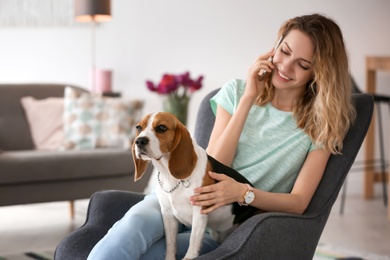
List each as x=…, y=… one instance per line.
x=141, y=142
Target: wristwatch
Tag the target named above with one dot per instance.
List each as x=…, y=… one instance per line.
x=249, y=196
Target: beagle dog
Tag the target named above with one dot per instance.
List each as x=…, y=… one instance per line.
x=182, y=166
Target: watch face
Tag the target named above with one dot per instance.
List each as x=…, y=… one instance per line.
x=250, y=196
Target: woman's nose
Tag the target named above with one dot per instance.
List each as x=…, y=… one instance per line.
x=286, y=65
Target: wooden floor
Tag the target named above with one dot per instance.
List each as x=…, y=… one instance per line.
x=363, y=227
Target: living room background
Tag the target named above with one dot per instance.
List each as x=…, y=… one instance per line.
x=218, y=39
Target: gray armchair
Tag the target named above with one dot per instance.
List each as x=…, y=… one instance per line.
x=267, y=236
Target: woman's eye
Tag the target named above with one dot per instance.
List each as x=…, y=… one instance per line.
x=304, y=67
x=161, y=129
x=283, y=51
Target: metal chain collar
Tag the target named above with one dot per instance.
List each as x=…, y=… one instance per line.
x=185, y=183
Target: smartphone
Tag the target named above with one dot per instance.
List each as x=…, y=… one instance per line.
x=263, y=72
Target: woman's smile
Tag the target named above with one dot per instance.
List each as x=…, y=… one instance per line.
x=283, y=77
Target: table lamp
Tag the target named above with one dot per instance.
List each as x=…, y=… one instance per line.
x=93, y=12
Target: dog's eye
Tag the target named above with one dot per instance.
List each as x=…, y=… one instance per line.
x=139, y=128
x=161, y=129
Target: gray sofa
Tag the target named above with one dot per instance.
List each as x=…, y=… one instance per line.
x=30, y=176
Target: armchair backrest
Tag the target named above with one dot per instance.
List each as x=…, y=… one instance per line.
x=338, y=165
x=205, y=120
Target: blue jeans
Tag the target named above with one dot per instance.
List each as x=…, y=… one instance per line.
x=140, y=235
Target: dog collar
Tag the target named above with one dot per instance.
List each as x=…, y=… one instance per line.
x=185, y=183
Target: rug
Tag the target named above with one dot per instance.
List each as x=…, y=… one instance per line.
x=323, y=252
x=331, y=252
x=46, y=255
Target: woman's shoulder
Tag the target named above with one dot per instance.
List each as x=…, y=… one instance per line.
x=229, y=95
x=236, y=86
x=237, y=83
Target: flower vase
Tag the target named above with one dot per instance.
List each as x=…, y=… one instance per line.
x=178, y=106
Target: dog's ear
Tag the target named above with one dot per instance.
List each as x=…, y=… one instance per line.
x=183, y=158
x=140, y=165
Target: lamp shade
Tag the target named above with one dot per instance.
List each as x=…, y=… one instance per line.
x=92, y=10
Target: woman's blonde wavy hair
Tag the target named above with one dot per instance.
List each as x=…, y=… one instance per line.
x=325, y=110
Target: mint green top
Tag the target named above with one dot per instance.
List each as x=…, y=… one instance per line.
x=271, y=149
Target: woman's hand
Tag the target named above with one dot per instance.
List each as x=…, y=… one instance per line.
x=253, y=85
x=225, y=191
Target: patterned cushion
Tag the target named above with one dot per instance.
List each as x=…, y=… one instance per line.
x=93, y=121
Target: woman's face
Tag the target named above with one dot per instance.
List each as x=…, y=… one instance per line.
x=293, y=61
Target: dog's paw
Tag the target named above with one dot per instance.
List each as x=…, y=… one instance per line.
x=186, y=257
x=170, y=257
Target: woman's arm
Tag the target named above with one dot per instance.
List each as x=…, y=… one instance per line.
x=226, y=133
x=227, y=190
x=303, y=190
x=227, y=128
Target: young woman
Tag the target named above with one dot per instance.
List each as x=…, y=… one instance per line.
x=278, y=132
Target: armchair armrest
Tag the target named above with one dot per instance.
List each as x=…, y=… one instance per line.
x=105, y=208
x=271, y=236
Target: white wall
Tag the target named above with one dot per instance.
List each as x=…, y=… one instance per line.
x=216, y=38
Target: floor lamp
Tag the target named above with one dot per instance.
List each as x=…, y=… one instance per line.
x=93, y=11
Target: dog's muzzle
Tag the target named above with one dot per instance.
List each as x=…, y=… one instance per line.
x=141, y=142
x=141, y=148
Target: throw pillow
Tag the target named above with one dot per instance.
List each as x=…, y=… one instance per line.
x=94, y=121
x=44, y=117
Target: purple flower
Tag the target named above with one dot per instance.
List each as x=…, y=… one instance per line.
x=151, y=86
x=167, y=84
x=175, y=84
x=184, y=79
x=196, y=85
